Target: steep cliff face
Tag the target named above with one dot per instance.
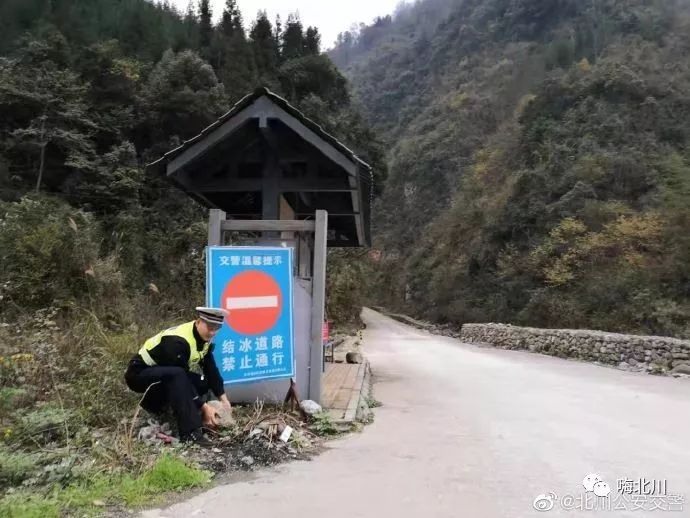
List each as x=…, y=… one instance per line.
x=538, y=160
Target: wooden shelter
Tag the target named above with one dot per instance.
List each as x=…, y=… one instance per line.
x=265, y=160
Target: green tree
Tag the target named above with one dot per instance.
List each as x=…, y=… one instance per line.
x=316, y=75
x=264, y=47
x=113, y=80
x=233, y=57
x=191, y=27
x=312, y=41
x=56, y=124
x=231, y=21
x=293, y=44
x=205, y=26
x=181, y=97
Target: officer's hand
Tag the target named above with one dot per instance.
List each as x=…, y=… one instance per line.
x=225, y=402
x=208, y=416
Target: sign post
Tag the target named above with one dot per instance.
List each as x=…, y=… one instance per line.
x=255, y=285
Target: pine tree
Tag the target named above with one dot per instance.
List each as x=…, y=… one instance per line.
x=312, y=42
x=231, y=21
x=278, y=36
x=191, y=26
x=293, y=39
x=205, y=25
x=235, y=64
x=264, y=47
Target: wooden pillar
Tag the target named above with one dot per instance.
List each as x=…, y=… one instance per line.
x=318, y=301
x=270, y=192
x=215, y=234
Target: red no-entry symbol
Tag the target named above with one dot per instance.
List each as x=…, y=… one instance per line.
x=254, y=301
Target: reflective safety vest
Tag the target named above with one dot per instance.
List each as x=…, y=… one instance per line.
x=184, y=331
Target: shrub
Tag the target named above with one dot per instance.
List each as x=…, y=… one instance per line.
x=16, y=466
x=47, y=251
x=44, y=424
x=11, y=397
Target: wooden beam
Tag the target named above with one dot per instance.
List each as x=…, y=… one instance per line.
x=259, y=225
x=230, y=184
x=341, y=215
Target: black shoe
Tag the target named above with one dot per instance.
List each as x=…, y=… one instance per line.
x=196, y=437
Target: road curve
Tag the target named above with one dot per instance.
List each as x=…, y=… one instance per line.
x=469, y=432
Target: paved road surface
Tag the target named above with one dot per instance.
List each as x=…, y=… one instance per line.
x=468, y=432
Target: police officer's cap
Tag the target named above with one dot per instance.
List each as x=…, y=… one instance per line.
x=212, y=315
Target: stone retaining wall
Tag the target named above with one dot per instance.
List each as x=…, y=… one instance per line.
x=654, y=354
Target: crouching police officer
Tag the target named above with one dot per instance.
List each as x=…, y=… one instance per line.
x=176, y=368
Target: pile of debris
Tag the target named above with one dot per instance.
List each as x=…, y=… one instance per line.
x=251, y=437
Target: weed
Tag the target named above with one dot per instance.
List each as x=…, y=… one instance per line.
x=372, y=402
x=44, y=424
x=172, y=474
x=322, y=424
x=12, y=398
x=16, y=466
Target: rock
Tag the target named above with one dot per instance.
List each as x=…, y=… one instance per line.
x=681, y=368
x=225, y=419
x=247, y=460
x=310, y=407
x=149, y=434
x=353, y=357
x=364, y=413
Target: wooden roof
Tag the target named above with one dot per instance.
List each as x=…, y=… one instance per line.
x=265, y=148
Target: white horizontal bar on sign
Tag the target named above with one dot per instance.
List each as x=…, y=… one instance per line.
x=251, y=302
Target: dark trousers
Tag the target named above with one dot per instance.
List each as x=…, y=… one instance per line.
x=169, y=386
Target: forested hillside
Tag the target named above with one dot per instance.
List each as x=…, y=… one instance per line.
x=91, y=91
x=538, y=159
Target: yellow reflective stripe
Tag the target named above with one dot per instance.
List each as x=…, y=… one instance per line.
x=147, y=357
